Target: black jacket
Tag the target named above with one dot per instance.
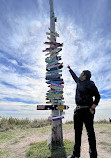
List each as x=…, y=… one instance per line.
x=85, y=92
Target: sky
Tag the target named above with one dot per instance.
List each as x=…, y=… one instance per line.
x=84, y=27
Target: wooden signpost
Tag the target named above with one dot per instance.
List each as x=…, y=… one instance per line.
x=55, y=95
x=52, y=107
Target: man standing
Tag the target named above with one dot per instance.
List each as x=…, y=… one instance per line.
x=84, y=112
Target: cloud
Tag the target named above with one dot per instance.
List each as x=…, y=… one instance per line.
x=81, y=53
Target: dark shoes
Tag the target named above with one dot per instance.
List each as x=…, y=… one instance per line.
x=72, y=156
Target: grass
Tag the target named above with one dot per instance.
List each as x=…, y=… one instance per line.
x=13, y=123
x=4, y=153
x=6, y=136
x=102, y=122
x=41, y=150
x=13, y=128
x=13, y=136
x=106, y=145
x=104, y=127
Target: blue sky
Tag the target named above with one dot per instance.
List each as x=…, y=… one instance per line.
x=85, y=29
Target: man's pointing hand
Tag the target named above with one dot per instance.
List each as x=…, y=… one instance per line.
x=68, y=67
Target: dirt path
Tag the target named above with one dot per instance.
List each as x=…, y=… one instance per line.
x=84, y=150
x=17, y=149
x=101, y=136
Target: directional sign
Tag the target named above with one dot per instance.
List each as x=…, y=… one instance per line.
x=48, y=77
x=57, y=118
x=54, y=92
x=57, y=85
x=61, y=102
x=53, y=31
x=54, y=43
x=53, y=34
x=49, y=66
x=55, y=49
x=56, y=82
x=54, y=87
x=49, y=60
x=50, y=98
x=53, y=72
x=52, y=40
x=52, y=107
x=54, y=95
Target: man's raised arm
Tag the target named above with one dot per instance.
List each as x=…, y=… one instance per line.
x=76, y=79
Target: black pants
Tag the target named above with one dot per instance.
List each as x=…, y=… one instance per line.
x=84, y=116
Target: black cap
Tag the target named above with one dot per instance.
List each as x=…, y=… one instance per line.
x=87, y=73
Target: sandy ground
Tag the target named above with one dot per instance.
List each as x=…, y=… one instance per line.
x=103, y=151
x=18, y=149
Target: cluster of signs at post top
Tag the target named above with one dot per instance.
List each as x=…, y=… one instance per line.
x=53, y=68
x=54, y=96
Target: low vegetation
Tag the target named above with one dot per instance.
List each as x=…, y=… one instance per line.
x=103, y=122
x=106, y=145
x=41, y=150
x=13, y=123
x=20, y=138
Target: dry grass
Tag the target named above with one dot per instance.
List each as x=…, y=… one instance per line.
x=13, y=123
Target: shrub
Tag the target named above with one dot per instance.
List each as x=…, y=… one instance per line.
x=102, y=121
x=69, y=122
x=12, y=123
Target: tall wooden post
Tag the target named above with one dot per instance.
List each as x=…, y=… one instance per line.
x=57, y=134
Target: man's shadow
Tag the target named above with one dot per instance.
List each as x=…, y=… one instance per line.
x=58, y=151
